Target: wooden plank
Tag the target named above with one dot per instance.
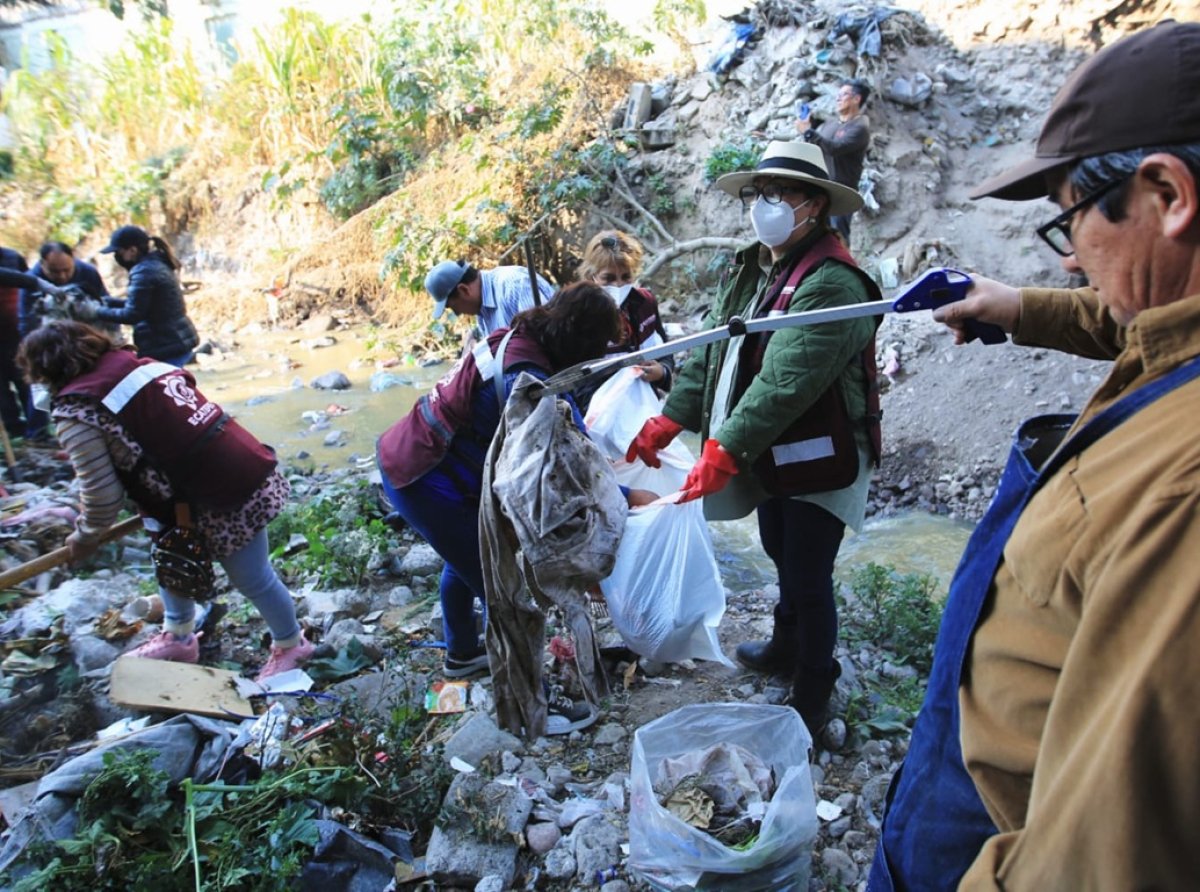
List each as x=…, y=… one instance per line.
x=162, y=686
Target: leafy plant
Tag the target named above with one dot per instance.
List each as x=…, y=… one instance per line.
x=731, y=157
x=899, y=612
x=136, y=832
x=344, y=533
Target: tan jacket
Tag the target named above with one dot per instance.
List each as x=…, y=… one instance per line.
x=1081, y=695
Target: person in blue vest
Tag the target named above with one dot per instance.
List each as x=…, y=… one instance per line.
x=1056, y=747
x=139, y=428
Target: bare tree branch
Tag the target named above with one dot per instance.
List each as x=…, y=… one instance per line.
x=678, y=249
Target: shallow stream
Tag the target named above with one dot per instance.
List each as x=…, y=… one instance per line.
x=262, y=385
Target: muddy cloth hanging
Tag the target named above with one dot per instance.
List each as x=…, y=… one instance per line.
x=550, y=519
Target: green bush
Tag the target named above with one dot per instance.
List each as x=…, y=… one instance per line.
x=898, y=612
x=730, y=158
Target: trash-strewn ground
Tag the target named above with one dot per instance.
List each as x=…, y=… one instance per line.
x=948, y=416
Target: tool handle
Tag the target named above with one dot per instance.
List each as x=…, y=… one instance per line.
x=942, y=286
x=52, y=559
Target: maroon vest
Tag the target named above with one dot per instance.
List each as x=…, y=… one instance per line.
x=639, y=319
x=828, y=416
x=417, y=443
x=209, y=459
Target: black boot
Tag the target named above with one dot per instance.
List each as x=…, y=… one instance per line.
x=777, y=656
x=811, y=692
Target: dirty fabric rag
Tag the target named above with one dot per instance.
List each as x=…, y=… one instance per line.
x=550, y=519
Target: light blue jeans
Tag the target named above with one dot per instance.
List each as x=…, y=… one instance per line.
x=250, y=572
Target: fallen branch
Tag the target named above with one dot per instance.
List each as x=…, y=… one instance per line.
x=678, y=249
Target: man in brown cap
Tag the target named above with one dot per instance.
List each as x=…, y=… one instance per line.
x=1056, y=745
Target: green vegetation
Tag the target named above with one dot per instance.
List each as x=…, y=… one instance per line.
x=344, y=533
x=899, y=613
x=139, y=831
x=465, y=125
x=731, y=157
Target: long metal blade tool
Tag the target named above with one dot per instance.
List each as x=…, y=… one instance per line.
x=934, y=289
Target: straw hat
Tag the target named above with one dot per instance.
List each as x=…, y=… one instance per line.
x=801, y=161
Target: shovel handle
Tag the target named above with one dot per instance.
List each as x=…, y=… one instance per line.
x=52, y=559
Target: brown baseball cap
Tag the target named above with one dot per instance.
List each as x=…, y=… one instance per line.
x=1143, y=90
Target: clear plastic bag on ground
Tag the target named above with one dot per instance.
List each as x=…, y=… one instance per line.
x=665, y=594
x=671, y=855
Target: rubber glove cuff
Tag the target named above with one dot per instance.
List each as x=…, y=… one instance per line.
x=711, y=473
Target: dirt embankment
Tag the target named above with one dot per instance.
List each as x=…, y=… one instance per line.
x=961, y=89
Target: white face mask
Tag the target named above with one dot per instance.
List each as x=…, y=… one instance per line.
x=618, y=292
x=774, y=223
x=39, y=395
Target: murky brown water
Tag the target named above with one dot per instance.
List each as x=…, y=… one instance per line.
x=271, y=399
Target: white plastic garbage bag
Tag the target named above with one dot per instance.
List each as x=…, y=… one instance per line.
x=665, y=594
x=619, y=408
x=674, y=856
x=676, y=460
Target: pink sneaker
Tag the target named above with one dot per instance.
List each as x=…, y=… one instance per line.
x=165, y=646
x=284, y=659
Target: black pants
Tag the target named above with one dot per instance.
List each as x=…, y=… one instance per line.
x=842, y=225
x=14, y=392
x=803, y=540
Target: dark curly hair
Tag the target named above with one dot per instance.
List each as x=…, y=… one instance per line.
x=61, y=351
x=577, y=324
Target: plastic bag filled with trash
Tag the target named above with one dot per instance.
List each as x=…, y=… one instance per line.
x=716, y=760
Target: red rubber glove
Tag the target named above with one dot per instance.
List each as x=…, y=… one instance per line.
x=657, y=433
x=711, y=473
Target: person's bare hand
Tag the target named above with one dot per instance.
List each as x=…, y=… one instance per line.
x=803, y=125
x=639, y=497
x=987, y=301
x=652, y=371
x=81, y=549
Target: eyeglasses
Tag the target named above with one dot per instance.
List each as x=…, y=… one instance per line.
x=772, y=193
x=1057, y=233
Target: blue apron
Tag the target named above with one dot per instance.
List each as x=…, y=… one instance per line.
x=936, y=824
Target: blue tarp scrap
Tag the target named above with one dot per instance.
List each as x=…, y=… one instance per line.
x=729, y=53
x=862, y=29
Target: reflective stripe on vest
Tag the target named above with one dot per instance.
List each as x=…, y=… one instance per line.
x=129, y=386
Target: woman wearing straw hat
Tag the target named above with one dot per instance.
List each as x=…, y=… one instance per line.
x=790, y=419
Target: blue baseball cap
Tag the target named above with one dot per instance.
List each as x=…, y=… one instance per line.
x=442, y=280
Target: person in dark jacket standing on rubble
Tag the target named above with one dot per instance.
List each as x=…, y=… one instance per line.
x=790, y=418
x=154, y=300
